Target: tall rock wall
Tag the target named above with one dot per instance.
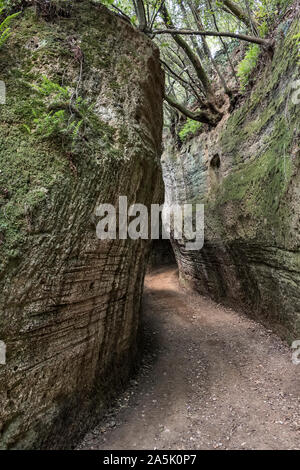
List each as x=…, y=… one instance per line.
x=247, y=173
x=81, y=126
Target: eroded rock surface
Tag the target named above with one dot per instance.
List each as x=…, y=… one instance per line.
x=247, y=173
x=69, y=304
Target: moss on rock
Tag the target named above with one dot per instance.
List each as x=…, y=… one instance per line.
x=252, y=249
x=69, y=304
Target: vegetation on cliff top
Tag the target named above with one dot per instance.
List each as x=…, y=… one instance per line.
x=5, y=23
x=190, y=33
x=49, y=127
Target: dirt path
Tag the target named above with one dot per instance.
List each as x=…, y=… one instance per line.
x=217, y=380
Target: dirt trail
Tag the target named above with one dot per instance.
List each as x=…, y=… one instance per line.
x=217, y=380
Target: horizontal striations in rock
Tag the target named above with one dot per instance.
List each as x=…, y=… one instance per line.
x=69, y=303
x=247, y=173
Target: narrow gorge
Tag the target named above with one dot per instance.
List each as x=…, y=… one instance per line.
x=123, y=343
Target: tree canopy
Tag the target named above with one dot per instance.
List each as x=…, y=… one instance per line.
x=190, y=35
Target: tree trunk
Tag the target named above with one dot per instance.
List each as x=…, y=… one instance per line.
x=194, y=59
x=141, y=14
x=206, y=117
x=207, y=49
x=240, y=14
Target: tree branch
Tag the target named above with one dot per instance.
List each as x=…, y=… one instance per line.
x=243, y=37
x=194, y=59
x=206, y=47
x=141, y=14
x=183, y=82
x=208, y=3
x=239, y=13
x=200, y=116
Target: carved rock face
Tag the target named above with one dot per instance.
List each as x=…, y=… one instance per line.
x=247, y=173
x=69, y=303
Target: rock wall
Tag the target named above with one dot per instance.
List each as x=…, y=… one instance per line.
x=87, y=132
x=247, y=173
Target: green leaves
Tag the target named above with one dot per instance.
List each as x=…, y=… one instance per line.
x=189, y=129
x=57, y=113
x=268, y=10
x=51, y=112
x=50, y=124
x=48, y=88
x=297, y=38
x=248, y=64
x=4, y=26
